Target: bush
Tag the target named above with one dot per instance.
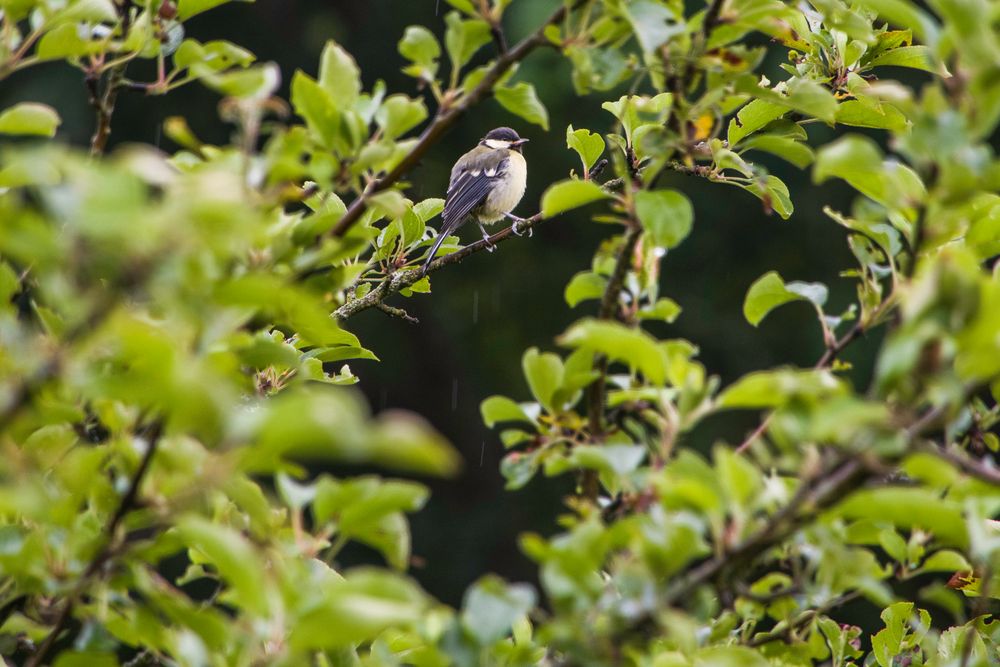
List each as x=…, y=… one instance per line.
x=175, y=338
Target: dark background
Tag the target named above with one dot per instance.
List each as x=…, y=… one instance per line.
x=486, y=311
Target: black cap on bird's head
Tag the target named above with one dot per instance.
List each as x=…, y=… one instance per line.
x=503, y=137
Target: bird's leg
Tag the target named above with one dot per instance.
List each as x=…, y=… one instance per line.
x=486, y=237
x=516, y=227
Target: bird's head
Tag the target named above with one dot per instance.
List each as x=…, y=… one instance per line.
x=503, y=138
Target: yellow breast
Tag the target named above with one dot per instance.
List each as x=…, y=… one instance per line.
x=503, y=199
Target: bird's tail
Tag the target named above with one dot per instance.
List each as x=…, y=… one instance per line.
x=442, y=235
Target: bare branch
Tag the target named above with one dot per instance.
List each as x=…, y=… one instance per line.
x=446, y=119
x=397, y=312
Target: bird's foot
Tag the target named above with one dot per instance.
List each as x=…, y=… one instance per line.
x=490, y=246
x=518, y=226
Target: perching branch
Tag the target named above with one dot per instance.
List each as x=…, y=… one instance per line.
x=447, y=117
x=127, y=503
x=402, y=279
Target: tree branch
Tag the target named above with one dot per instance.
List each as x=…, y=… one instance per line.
x=813, y=495
x=783, y=630
x=829, y=356
x=399, y=280
x=447, y=117
x=965, y=464
x=607, y=311
x=125, y=505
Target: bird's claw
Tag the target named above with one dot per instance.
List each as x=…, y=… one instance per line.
x=517, y=227
x=490, y=247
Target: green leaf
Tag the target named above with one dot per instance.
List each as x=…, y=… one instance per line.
x=339, y=75
x=522, y=100
x=188, y=8
x=633, y=347
x=881, y=116
x=85, y=659
x=569, y=194
x=654, y=24
x=496, y=409
x=811, y=98
x=340, y=612
x=491, y=607
x=405, y=441
x=287, y=304
x=29, y=118
x=915, y=57
x=256, y=83
x=666, y=215
x=231, y=555
x=664, y=309
x=904, y=13
x=583, y=286
x=613, y=461
x=293, y=494
x=421, y=46
x=909, y=508
x=729, y=656
x=544, y=373
x=635, y=112
x=463, y=37
x=588, y=145
x=858, y=161
x=399, y=114
x=787, y=149
x=64, y=42
x=772, y=389
x=770, y=291
x=355, y=503
x=753, y=117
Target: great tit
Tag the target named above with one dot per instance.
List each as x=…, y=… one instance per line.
x=486, y=184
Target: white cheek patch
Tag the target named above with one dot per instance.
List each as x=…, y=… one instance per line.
x=497, y=144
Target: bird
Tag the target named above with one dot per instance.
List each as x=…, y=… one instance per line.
x=486, y=184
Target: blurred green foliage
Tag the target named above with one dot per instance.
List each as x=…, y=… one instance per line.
x=176, y=344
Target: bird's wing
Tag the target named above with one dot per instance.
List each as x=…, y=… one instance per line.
x=467, y=190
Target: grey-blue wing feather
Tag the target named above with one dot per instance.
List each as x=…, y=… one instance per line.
x=468, y=192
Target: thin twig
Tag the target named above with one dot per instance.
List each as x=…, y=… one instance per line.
x=104, y=101
x=829, y=356
x=446, y=119
x=496, y=30
x=125, y=505
x=397, y=312
x=814, y=494
x=783, y=630
x=711, y=17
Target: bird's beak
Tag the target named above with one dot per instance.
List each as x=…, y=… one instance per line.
x=519, y=142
